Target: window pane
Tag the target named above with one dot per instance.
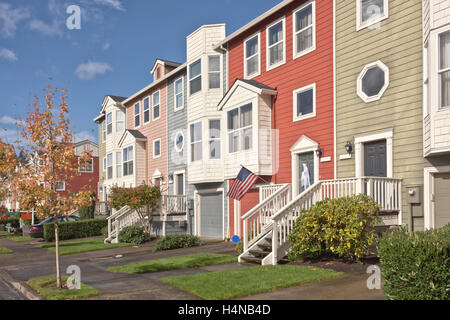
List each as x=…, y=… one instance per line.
x=445, y=89
x=178, y=86
x=214, y=129
x=303, y=18
x=214, y=149
x=180, y=184
x=252, y=65
x=156, y=112
x=157, y=146
x=246, y=115
x=444, y=51
x=233, y=123
x=305, y=39
x=195, y=69
x=119, y=164
x=156, y=98
x=196, y=151
x=130, y=153
x=276, y=54
x=305, y=102
x=251, y=47
x=233, y=142
x=137, y=109
x=214, y=63
x=146, y=116
x=247, y=139
x=146, y=103
x=196, y=85
x=373, y=81
x=179, y=101
x=214, y=80
x=371, y=9
x=179, y=141
x=276, y=33
x=196, y=132
x=146, y=109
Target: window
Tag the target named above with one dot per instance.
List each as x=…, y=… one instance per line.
x=373, y=81
x=214, y=139
x=109, y=123
x=305, y=102
x=444, y=69
x=157, y=148
x=251, y=56
x=196, y=141
x=128, y=157
x=240, y=129
x=195, y=77
x=304, y=33
x=156, y=114
x=275, y=45
x=104, y=130
x=370, y=12
x=179, y=96
x=104, y=164
x=120, y=121
x=60, y=186
x=86, y=166
x=109, y=165
x=119, y=168
x=146, y=110
x=179, y=141
x=137, y=115
x=214, y=72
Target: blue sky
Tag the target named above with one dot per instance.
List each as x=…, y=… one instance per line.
x=112, y=53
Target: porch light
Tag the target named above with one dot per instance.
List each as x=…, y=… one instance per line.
x=349, y=147
x=319, y=152
x=170, y=178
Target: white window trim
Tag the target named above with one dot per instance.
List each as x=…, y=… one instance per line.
x=104, y=130
x=135, y=115
x=149, y=110
x=216, y=139
x=160, y=147
x=199, y=141
x=251, y=76
x=294, y=33
x=133, y=161
x=119, y=164
x=175, y=181
x=360, y=25
x=295, y=93
x=153, y=105
x=439, y=71
x=112, y=121
x=117, y=121
x=59, y=190
x=79, y=169
x=200, y=75
x=214, y=72
x=303, y=145
x=112, y=166
x=175, y=109
x=268, y=66
x=360, y=93
x=386, y=134
x=175, y=141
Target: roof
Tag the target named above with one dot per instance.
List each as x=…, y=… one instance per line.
x=255, y=84
x=165, y=62
x=116, y=98
x=252, y=85
x=84, y=142
x=254, y=22
x=137, y=134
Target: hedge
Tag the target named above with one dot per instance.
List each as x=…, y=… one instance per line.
x=75, y=229
x=177, y=241
x=134, y=235
x=14, y=222
x=416, y=266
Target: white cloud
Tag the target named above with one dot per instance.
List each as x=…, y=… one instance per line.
x=44, y=28
x=8, y=55
x=91, y=69
x=10, y=136
x=7, y=120
x=9, y=18
x=106, y=46
x=116, y=4
x=84, y=135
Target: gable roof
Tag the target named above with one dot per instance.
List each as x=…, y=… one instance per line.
x=252, y=85
x=137, y=135
x=164, y=62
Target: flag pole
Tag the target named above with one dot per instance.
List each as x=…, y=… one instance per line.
x=257, y=175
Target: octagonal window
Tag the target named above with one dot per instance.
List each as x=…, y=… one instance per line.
x=373, y=81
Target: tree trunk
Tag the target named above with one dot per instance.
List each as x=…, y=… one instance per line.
x=58, y=269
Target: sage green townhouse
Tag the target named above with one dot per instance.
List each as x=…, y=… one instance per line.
x=379, y=104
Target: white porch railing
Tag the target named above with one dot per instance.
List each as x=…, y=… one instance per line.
x=267, y=190
x=257, y=220
x=385, y=191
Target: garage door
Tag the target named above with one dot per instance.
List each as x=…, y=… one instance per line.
x=442, y=199
x=211, y=215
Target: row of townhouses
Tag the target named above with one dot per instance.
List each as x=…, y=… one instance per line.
x=320, y=99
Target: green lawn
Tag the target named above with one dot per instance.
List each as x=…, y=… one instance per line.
x=5, y=251
x=87, y=245
x=16, y=238
x=46, y=286
x=232, y=284
x=183, y=262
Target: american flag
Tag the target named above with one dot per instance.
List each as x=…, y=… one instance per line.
x=244, y=181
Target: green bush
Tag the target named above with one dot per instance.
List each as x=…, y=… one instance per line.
x=177, y=241
x=105, y=231
x=14, y=221
x=416, y=266
x=344, y=227
x=134, y=235
x=87, y=213
x=75, y=229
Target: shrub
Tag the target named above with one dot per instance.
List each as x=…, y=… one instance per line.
x=344, y=227
x=75, y=229
x=177, y=241
x=135, y=235
x=239, y=247
x=87, y=213
x=14, y=221
x=416, y=266
x=105, y=231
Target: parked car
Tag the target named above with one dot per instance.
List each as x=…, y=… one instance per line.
x=37, y=230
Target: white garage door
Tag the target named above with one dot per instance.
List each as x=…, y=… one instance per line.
x=211, y=215
x=442, y=199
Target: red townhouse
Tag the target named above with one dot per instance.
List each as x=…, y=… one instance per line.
x=281, y=87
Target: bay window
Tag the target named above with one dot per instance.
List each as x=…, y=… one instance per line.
x=195, y=77
x=214, y=139
x=214, y=72
x=109, y=123
x=196, y=141
x=109, y=166
x=444, y=69
x=120, y=121
x=240, y=129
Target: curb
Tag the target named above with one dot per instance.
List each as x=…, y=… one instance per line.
x=21, y=287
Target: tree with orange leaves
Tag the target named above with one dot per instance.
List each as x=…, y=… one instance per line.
x=8, y=164
x=51, y=160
